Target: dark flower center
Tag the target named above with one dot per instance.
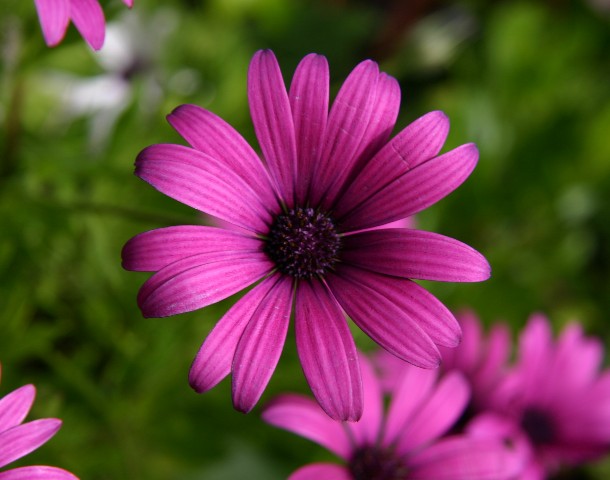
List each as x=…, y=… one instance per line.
x=303, y=243
x=538, y=425
x=373, y=463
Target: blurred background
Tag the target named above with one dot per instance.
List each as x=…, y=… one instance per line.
x=528, y=81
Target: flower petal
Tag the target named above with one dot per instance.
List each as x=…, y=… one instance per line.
x=414, y=191
x=54, y=16
x=457, y=458
x=204, y=183
x=440, y=411
x=417, y=143
x=303, y=416
x=18, y=441
x=260, y=346
x=88, y=18
x=347, y=123
x=272, y=118
x=212, y=136
x=381, y=319
x=415, y=254
x=309, y=104
x=129, y=3
x=215, y=357
x=327, y=352
x=38, y=472
x=198, y=281
x=321, y=471
x=153, y=250
x=15, y=406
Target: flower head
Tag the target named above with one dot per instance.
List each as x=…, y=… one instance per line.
x=407, y=442
x=555, y=404
x=306, y=215
x=87, y=16
x=17, y=439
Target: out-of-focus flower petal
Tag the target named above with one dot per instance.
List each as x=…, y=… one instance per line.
x=54, y=16
x=321, y=471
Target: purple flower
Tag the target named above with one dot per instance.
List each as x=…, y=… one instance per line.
x=87, y=16
x=309, y=208
x=555, y=404
x=406, y=443
x=17, y=439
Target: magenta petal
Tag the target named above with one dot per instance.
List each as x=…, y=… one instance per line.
x=204, y=183
x=416, y=144
x=15, y=406
x=215, y=357
x=327, y=352
x=309, y=104
x=381, y=319
x=18, y=441
x=213, y=136
x=54, y=16
x=272, y=118
x=414, y=191
x=415, y=254
x=347, y=124
x=439, y=413
x=459, y=458
x=321, y=471
x=198, y=281
x=303, y=416
x=129, y=3
x=37, y=472
x=88, y=18
x=260, y=346
x=153, y=250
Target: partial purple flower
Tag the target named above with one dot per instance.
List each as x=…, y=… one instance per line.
x=406, y=443
x=555, y=404
x=307, y=215
x=87, y=16
x=17, y=439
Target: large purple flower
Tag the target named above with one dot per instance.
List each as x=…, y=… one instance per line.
x=17, y=439
x=555, y=404
x=407, y=443
x=310, y=209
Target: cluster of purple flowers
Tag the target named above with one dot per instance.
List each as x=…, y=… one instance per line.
x=310, y=229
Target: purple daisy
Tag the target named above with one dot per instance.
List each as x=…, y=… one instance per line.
x=17, y=439
x=407, y=443
x=87, y=16
x=555, y=404
x=306, y=215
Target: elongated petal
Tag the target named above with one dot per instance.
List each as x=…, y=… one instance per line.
x=18, y=441
x=153, y=250
x=415, y=254
x=414, y=191
x=382, y=320
x=303, y=416
x=416, y=144
x=260, y=346
x=321, y=471
x=458, y=458
x=54, y=16
x=442, y=409
x=204, y=183
x=272, y=118
x=348, y=121
x=198, y=281
x=366, y=431
x=413, y=390
x=38, y=472
x=212, y=136
x=327, y=352
x=309, y=104
x=215, y=357
x=129, y=3
x=88, y=18
x=15, y=406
